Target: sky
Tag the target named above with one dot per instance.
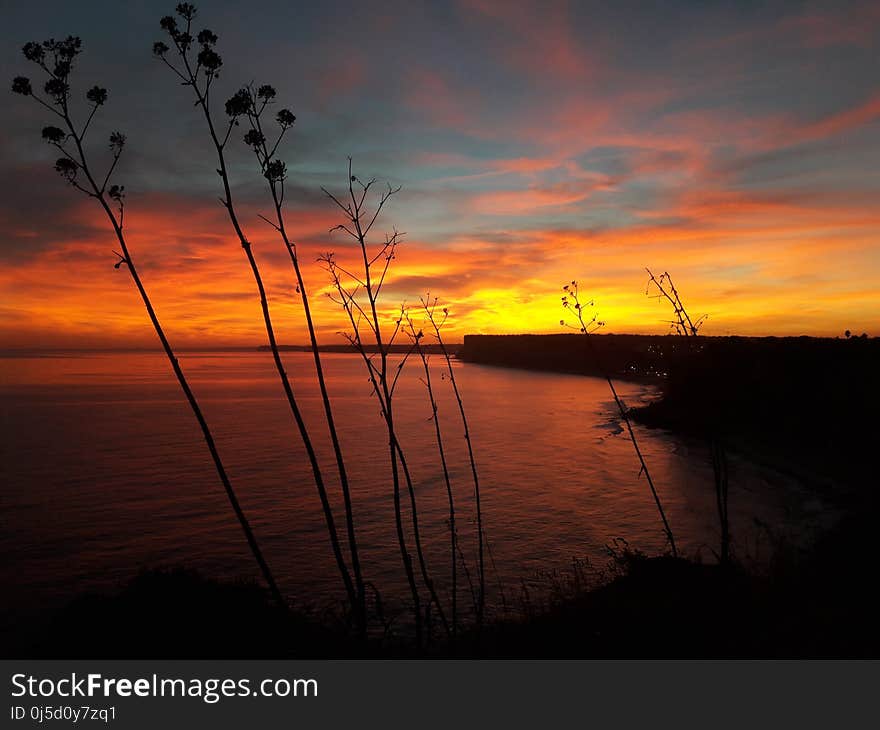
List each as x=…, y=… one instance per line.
x=732, y=144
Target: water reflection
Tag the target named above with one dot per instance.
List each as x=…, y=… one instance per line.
x=105, y=472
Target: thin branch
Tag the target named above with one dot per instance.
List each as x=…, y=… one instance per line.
x=572, y=303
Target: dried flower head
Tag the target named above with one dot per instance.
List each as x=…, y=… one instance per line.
x=34, y=51
x=210, y=60
x=276, y=171
x=66, y=168
x=22, y=85
x=97, y=95
x=57, y=89
x=254, y=139
x=117, y=142
x=169, y=24
x=285, y=118
x=54, y=135
x=187, y=11
x=239, y=103
x=207, y=37
x=266, y=92
x=65, y=50
x=160, y=49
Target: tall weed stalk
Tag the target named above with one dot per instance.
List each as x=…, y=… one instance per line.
x=572, y=303
x=438, y=320
x=272, y=168
x=197, y=67
x=689, y=329
x=417, y=335
x=357, y=291
x=56, y=59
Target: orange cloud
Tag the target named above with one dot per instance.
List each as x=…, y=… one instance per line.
x=536, y=38
x=524, y=202
x=573, y=156
x=745, y=261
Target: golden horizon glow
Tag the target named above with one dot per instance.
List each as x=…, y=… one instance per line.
x=205, y=296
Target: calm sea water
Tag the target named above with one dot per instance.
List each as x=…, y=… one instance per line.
x=104, y=472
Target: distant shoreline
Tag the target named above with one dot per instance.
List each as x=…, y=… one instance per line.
x=625, y=356
x=452, y=349
x=465, y=347
x=26, y=352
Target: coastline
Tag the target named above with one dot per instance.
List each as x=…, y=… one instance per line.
x=784, y=402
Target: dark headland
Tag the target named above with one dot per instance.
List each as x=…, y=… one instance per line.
x=808, y=405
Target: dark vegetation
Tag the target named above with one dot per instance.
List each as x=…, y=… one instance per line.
x=55, y=61
x=192, y=57
x=587, y=322
x=804, y=404
x=808, y=404
x=820, y=603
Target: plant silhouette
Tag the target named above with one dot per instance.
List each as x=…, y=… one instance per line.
x=56, y=59
x=259, y=100
x=572, y=303
x=688, y=328
x=197, y=66
x=358, y=294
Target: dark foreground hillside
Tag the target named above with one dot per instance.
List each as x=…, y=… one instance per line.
x=816, y=604
x=809, y=406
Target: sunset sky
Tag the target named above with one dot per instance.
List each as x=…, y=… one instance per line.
x=736, y=145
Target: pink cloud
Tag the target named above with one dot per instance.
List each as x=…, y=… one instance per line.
x=855, y=26
x=833, y=124
x=535, y=38
x=432, y=95
x=524, y=202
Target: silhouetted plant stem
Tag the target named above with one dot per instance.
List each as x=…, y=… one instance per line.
x=682, y=323
x=420, y=554
x=356, y=314
x=368, y=283
x=571, y=302
x=209, y=62
x=437, y=324
x=719, y=468
x=266, y=156
x=467, y=575
x=417, y=338
x=65, y=53
x=497, y=574
x=644, y=466
x=401, y=538
x=688, y=328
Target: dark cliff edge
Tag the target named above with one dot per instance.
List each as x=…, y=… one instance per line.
x=806, y=405
x=633, y=357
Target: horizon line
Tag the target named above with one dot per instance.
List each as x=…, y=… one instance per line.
x=342, y=347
